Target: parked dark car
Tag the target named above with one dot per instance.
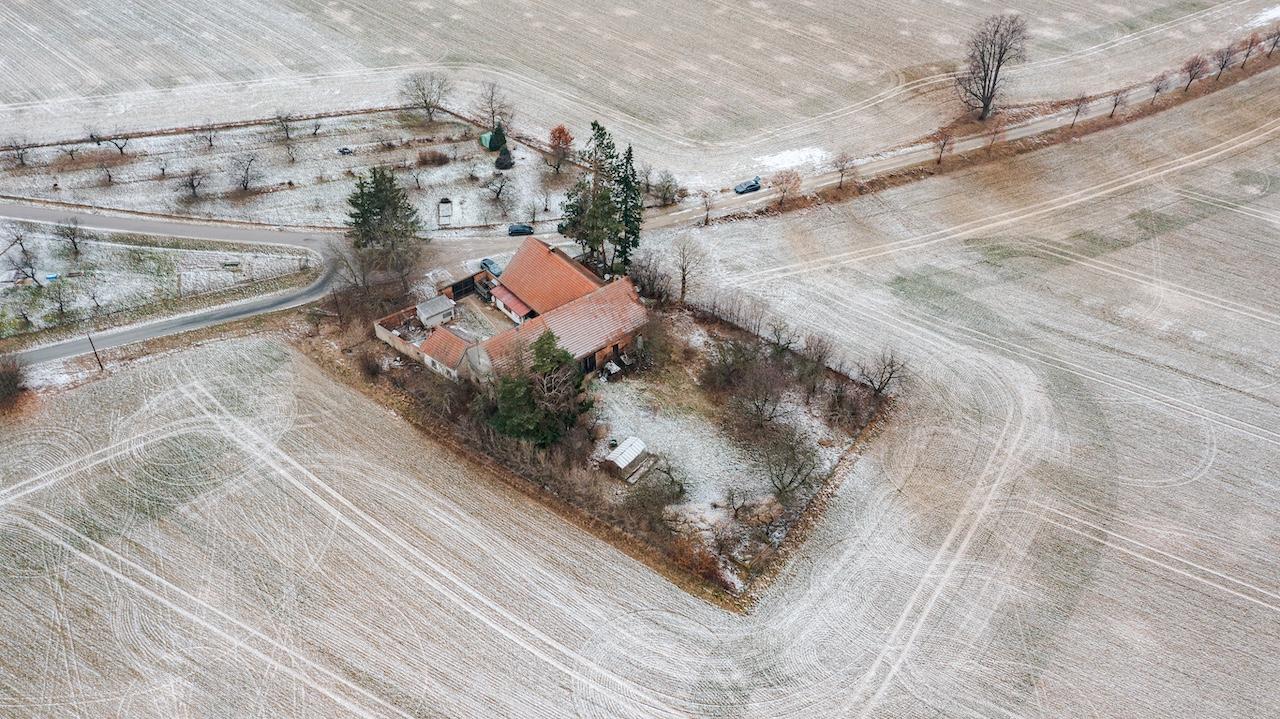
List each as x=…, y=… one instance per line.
x=519, y=229
x=743, y=188
x=491, y=267
x=346, y=151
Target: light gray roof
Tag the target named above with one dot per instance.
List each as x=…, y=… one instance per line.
x=434, y=306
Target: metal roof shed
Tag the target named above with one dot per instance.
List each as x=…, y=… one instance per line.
x=627, y=457
x=435, y=311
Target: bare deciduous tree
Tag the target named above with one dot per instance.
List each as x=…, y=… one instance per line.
x=283, y=124
x=1118, y=99
x=70, y=151
x=943, y=139
x=209, y=133
x=1079, y=105
x=13, y=375
x=1273, y=38
x=790, y=462
x=689, y=259
x=1193, y=69
x=493, y=107
x=24, y=261
x=1158, y=84
x=18, y=148
x=999, y=41
x=758, y=393
x=1249, y=46
x=842, y=163
x=666, y=189
x=120, y=142
x=497, y=185
x=995, y=133
x=243, y=171
x=1222, y=59
x=786, y=183
x=704, y=199
x=882, y=373
x=70, y=232
x=426, y=91
x=60, y=293
x=105, y=168
x=193, y=180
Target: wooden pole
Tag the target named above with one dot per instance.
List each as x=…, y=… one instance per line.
x=95, y=352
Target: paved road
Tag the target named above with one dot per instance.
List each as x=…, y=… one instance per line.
x=318, y=240
x=182, y=323
x=15, y=209
x=726, y=203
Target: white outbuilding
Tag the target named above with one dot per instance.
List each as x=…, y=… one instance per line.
x=435, y=311
x=626, y=458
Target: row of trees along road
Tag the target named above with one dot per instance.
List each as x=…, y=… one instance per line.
x=604, y=210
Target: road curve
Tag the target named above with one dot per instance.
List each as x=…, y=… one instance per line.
x=182, y=323
x=316, y=241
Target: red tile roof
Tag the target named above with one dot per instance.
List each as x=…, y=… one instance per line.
x=585, y=325
x=544, y=278
x=446, y=347
x=512, y=302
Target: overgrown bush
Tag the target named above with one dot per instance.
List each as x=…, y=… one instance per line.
x=728, y=363
x=432, y=158
x=12, y=376
x=371, y=365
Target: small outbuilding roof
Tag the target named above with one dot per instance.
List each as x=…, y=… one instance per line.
x=437, y=305
x=627, y=453
x=513, y=303
x=445, y=347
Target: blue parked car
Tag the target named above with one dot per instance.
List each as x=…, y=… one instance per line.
x=491, y=266
x=519, y=229
x=743, y=188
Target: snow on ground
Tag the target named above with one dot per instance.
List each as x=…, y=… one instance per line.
x=309, y=189
x=1071, y=513
x=1266, y=17
x=751, y=81
x=112, y=276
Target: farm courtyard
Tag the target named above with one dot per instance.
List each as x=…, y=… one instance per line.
x=1072, y=513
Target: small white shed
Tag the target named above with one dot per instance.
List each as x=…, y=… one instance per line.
x=435, y=311
x=626, y=458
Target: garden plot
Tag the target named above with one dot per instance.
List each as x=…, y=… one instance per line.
x=303, y=181
x=753, y=80
x=113, y=275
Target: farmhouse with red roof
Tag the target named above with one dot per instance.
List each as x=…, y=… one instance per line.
x=541, y=290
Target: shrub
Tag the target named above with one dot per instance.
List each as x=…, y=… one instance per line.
x=370, y=365
x=504, y=161
x=12, y=375
x=432, y=158
x=728, y=362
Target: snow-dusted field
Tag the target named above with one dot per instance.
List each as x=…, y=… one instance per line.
x=112, y=276
x=752, y=83
x=1071, y=513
